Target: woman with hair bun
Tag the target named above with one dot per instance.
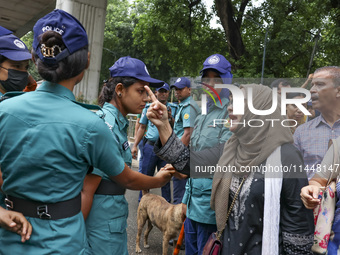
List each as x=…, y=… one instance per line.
x=48, y=142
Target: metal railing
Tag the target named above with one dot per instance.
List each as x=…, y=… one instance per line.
x=131, y=129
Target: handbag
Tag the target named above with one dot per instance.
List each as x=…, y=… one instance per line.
x=324, y=212
x=214, y=244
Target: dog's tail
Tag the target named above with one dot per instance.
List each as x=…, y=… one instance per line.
x=146, y=191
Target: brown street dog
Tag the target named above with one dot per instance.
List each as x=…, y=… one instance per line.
x=156, y=211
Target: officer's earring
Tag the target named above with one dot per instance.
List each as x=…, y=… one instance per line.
x=119, y=95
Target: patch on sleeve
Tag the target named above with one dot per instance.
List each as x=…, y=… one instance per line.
x=186, y=116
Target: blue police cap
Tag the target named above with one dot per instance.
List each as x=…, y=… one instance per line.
x=219, y=63
x=13, y=48
x=132, y=67
x=165, y=86
x=71, y=30
x=181, y=83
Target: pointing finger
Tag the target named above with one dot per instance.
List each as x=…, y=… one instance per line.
x=151, y=94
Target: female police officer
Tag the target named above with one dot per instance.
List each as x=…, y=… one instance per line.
x=200, y=221
x=123, y=93
x=14, y=58
x=48, y=142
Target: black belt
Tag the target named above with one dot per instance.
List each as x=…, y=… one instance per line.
x=46, y=211
x=150, y=142
x=107, y=187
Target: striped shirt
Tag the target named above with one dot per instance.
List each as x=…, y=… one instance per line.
x=311, y=139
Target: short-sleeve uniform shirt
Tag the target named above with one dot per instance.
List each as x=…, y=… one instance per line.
x=186, y=115
x=47, y=143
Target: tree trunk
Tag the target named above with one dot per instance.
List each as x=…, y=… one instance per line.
x=231, y=25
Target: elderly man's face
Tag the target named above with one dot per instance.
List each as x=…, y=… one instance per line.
x=324, y=93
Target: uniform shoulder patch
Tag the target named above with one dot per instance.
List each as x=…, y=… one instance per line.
x=186, y=116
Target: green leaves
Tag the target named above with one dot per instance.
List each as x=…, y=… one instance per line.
x=174, y=37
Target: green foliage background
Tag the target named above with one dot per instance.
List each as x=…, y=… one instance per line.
x=174, y=37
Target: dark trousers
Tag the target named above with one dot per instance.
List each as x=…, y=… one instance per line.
x=150, y=162
x=179, y=189
x=196, y=236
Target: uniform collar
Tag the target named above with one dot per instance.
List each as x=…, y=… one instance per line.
x=185, y=101
x=121, y=120
x=224, y=100
x=56, y=89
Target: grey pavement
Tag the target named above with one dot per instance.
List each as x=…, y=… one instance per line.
x=155, y=237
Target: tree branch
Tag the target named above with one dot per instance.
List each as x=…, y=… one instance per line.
x=192, y=4
x=241, y=12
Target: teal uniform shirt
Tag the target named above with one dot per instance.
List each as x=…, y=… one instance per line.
x=106, y=224
x=198, y=190
x=47, y=143
x=188, y=109
x=2, y=196
x=152, y=131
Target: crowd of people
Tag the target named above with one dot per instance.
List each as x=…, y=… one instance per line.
x=65, y=168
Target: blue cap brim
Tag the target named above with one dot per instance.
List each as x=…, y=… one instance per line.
x=220, y=70
x=179, y=87
x=5, y=31
x=152, y=82
x=17, y=55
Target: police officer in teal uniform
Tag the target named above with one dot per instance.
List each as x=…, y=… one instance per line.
x=48, y=142
x=187, y=111
x=184, y=123
x=150, y=159
x=14, y=60
x=200, y=221
x=123, y=93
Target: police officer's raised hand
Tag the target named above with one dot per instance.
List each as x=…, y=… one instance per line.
x=158, y=115
x=15, y=222
x=157, y=112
